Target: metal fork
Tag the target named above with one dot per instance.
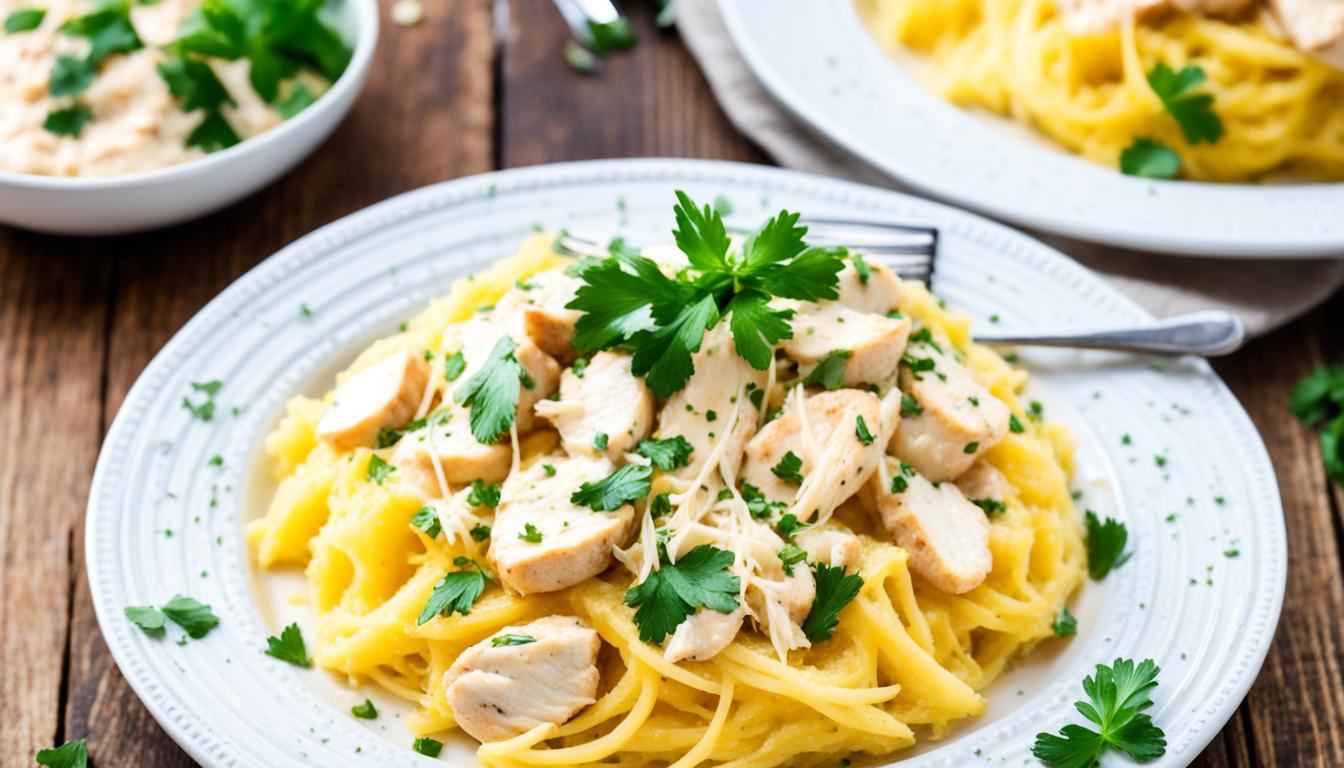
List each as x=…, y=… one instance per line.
x=911, y=252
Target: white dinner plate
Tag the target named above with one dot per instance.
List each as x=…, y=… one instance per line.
x=163, y=520
x=821, y=64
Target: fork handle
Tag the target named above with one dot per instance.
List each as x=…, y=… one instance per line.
x=1208, y=334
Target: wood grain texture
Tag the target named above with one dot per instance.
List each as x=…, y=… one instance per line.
x=52, y=320
x=407, y=130
x=1296, y=708
x=651, y=101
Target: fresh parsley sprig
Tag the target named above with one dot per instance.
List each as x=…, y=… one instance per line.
x=1105, y=545
x=627, y=301
x=672, y=592
x=667, y=454
x=627, y=484
x=1318, y=400
x=835, y=590
x=1192, y=110
x=492, y=392
x=289, y=646
x=457, y=591
x=1116, y=698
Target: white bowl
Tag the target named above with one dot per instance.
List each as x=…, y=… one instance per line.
x=109, y=205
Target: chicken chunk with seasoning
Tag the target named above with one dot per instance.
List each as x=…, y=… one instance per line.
x=832, y=545
x=946, y=536
x=446, y=439
x=873, y=289
x=701, y=413
x=545, y=671
x=835, y=437
x=384, y=395
x=1090, y=17
x=872, y=345
x=703, y=635
x=1315, y=27
x=949, y=419
x=603, y=409
x=566, y=543
x=538, y=308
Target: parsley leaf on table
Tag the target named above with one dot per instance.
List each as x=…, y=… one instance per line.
x=1150, y=159
x=667, y=454
x=627, y=484
x=74, y=754
x=1105, y=545
x=627, y=301
x=835, y=590
x=1117, y=696
x=1318, y=400
x=1193, y=111
x=672, y=592
x=289, y=647
x=456, y=592
x=492, y=393
x=24, y=20
x=191, y=615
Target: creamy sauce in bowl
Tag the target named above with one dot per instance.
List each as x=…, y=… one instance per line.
x=135, y=123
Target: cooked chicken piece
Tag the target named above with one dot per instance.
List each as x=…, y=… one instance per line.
x=575, y=541
x=385, y=394
x=836, y=462
x=983, y=481
x=608, y=401
x=498, y=692
x=958, y=418
x=447, y=439
x=831, y=545
x=796, y=593
x=946, y=536
x=879, y=294
x=1090, y=17
x=478, y=337
x=538, y=307
x=700, y=412
x=703, y=635
x=1314, y=26
x=875, y=342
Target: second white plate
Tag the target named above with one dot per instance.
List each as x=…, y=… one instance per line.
x=821, y=63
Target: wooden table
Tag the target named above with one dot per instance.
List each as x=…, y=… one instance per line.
x=79, y=319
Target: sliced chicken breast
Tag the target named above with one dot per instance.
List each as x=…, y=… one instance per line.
x=946, y=536
x=983, y=481
x=477, y=338
x=447, y=441
x=1314, y=26
x=704, y=635
x=793, y=592
x=538, y=305
x=385, y=394
x=824, y=434
x=875, y=343
x=575, y=542
x=877, y=293
x=832, y=545
x=701, y=411
x=607, y=405
x=957, y=418
x=499, y=691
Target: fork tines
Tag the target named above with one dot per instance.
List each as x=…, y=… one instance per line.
x=908, y=251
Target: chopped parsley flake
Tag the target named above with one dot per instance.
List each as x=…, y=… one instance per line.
x=378, y=470
x=861, y=431
x=427, y=522
x=480, y=532
x=457, y=591
x=499, y=641
x=1064, y=625
x=482, y=494
x=666, y=454
x=453, y=366
x=1105, y=545
x=365, y=711
x=427, y=746
x=530, y=534
x=829, y=372
x=789, y=469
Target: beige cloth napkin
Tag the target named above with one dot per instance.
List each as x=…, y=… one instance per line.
x=1266, y=294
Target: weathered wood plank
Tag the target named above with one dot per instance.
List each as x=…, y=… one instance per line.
x=1296, y=707
x=649, y=101
x=425, y=115
x=53, y=314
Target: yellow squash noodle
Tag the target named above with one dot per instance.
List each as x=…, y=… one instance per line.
x=1282, y=110
x=905, y=662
